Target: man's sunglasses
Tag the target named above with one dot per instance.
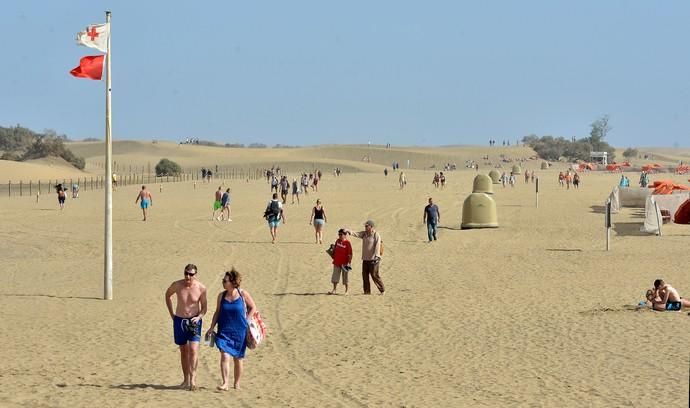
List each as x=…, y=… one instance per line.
x=189, y=274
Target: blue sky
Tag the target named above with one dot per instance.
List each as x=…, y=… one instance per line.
x=313, y=72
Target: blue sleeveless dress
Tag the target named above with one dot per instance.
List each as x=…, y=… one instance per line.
x=232, y=327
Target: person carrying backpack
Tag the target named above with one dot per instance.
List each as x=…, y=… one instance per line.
x=274, y=214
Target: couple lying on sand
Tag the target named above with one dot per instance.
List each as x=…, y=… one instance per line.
x=665, y=297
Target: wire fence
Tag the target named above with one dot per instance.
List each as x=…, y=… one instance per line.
x=31, y=188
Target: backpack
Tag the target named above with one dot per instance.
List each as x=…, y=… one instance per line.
x=273, y=209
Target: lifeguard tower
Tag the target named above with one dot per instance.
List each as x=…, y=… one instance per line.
x=599, y=157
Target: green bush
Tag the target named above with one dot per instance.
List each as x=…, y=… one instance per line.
x=9, y=156
x=167, y=167
x=630, y=152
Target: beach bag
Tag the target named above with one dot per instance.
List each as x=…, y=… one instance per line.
x=331, y=250
x=256, y=329
x=273, y=210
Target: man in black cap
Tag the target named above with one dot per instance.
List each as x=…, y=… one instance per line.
x=371, y=256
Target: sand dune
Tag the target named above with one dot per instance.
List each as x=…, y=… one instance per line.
x=534, y=313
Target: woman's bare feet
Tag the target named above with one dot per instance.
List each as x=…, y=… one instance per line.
x=223, y=387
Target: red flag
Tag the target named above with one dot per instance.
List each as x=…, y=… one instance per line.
x=89, y=67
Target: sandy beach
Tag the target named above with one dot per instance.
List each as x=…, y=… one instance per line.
x=533, y=313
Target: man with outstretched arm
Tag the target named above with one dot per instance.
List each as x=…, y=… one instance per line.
x=371, y=256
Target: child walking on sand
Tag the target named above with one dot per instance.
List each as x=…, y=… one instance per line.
x=342, y=257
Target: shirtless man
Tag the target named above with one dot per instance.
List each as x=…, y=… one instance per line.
x=665, y=297
x=146, y=200
x=217, y=204
x=191, y=308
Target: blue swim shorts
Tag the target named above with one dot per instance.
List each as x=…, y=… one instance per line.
x=183, y=333
x=674, y=306
x=145, y=203
x=274, y=223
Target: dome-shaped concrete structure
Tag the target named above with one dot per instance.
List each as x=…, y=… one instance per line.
x=482, y=184
x=544, y=165
x=479, y=211
x=517, y=169
x=495, y=176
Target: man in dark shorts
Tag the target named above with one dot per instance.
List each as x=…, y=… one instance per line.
x=191, y=308
x=665, y=297
x=225, y=204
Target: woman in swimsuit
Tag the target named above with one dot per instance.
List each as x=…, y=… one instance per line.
x=318, y=218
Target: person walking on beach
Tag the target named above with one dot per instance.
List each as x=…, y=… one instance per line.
x=218, y=204
x=225, y=203
x=187, y=320
x=295, y=190
x=146, y=201
x=305, y=184
x=342, y=258
x=318, y=218
x=432, y=216
x=61, y=196
x=402, y=180
x=371, y=256
x=274, y=214
x=233, y=310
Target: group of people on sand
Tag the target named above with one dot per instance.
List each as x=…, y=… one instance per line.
x=664, y=297
x=372, y=251
x=567, y=179
x=221, y=205
x=439, y=180
x=234, y=308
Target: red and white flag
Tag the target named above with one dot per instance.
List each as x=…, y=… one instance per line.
x=95, y=36
x=90, y=67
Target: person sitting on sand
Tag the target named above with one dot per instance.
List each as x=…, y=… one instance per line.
x=665, y=297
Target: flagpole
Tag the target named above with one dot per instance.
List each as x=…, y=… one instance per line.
x=108, y=256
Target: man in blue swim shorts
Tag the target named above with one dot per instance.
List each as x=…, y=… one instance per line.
x=274, y=214
x=191, y=307
x=665, y=297
x=146, y=200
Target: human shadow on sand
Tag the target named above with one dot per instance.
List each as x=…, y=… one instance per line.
x=629, y=229
x=302, y=294
x=49, y=296
x=445, y=227
x=616, y=309
x=144, y=386
x=269, y=242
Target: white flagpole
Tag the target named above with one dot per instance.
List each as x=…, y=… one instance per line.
x=108, y=256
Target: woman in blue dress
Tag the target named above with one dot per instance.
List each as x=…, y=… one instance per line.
x=234, y=308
